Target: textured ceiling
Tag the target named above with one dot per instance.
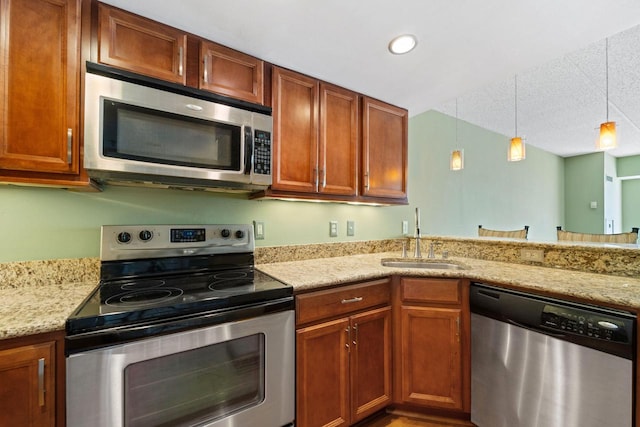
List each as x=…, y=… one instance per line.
x=463, y=45
x=562, y=102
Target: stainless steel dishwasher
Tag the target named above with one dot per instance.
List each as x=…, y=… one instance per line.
x=542, y=362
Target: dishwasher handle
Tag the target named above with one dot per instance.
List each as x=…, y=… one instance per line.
x=540, y=330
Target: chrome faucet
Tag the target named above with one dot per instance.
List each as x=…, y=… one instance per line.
x=417, y=253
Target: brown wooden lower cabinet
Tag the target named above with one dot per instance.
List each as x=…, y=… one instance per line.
x=431, y=344
x=30, y=381
x=343, y=366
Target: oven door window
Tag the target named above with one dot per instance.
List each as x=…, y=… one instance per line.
x=195, y=386
x=143, y=134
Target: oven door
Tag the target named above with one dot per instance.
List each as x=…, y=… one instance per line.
x=233, y=374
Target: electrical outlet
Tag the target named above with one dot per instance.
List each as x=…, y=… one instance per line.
x=405, y=228
x=351, y=228
x=533, y=255
x=333, y=228
x=258, y=230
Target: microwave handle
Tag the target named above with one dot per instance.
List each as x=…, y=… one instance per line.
x=248, y=150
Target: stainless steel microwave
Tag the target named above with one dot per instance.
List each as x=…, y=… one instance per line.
x=145, y=132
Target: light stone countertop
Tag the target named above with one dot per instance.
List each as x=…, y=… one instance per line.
x=36, y=309
x=597, y=288
x=40, y=307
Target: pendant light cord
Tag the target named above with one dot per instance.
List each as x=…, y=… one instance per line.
x=515, y=79
x=456, y=123
x=606, y=56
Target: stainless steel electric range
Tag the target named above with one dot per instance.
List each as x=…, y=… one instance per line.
x=181, y=331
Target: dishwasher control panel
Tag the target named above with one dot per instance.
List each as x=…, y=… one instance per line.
x=587, y=323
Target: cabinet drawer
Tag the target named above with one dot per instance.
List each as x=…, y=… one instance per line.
x=336, y=302
x=443, y=291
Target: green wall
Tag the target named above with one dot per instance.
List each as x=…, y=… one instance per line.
x=489, y=190
x=43, y=223
x=630, y=204
x=628, y=166
x=584, y=183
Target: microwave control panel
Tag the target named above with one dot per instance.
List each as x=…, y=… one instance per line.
x=262, y=152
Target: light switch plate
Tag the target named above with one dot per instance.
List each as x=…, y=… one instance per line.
x=405, y=228
x=351, y=228
x=333, y=228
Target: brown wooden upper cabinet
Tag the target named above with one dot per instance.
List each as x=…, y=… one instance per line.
x=138, y=44
x=141, y=45
x=384, y=150
x=315, y=136
x=232, y=73
x=39, y=91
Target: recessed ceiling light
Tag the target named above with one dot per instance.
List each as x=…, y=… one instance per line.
x=403, y=44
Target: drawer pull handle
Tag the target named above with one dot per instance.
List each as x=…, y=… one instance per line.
x=350, y=300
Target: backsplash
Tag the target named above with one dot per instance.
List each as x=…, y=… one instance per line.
x=604, y=259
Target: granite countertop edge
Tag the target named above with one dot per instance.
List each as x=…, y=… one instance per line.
x=33, y=310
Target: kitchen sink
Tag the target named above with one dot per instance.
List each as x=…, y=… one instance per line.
x=422, y=263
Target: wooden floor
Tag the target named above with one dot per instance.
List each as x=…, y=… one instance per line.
x=392, y=420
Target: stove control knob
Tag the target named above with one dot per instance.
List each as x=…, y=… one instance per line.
x=225, y=233
x=239, y=234
x=124, y=237
x=145, y=235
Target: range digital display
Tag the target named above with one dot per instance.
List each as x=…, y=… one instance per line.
x=184, y=235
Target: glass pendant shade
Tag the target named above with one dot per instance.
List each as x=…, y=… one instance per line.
x=607, y=138
x=457, y=160
x=517, y=150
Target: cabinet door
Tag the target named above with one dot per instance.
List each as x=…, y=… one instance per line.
x=295, y=120
x=39, y=68
x=232, y=73
x=339, y=139
x=27, y=391
x=431, y=357
x=370, y=362
x=322, y=374
x=384, y=150
x=140, y=45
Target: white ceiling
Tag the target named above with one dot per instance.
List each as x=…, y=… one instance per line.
x=469, y=50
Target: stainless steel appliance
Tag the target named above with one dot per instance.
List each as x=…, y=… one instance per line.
x=541, y=362
x=181, y=331
x=143, y=131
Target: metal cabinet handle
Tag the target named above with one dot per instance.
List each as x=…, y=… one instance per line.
x=315, y=175
x=458, y=328
x=205, y=74
x=366, y=180
x=69, y=145
x=350, y=300
x=180, y=61
x=323, y=173
x=41, y=381
x=348, y=331
x=355, y=328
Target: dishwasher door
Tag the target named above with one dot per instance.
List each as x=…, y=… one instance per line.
x=526, y=378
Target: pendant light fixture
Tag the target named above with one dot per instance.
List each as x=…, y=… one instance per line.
x=517, y=150
x=607, y=139
x=456, y=162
